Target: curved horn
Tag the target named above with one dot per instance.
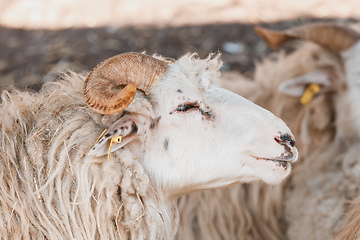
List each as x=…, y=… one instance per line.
x=111, y=86
x=333, y=37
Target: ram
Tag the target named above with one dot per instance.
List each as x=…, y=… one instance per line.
x=327, y=178
x=106, y=155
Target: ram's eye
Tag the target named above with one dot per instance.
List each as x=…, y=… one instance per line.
x=188, y=106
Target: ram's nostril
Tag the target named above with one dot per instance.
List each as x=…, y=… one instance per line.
x=286, y=138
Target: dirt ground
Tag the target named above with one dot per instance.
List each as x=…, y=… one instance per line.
x=40, y=38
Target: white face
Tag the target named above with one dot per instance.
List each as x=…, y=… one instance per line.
x=203, y=136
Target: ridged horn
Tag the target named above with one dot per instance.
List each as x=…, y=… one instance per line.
x=333, y=37
x=111, y=86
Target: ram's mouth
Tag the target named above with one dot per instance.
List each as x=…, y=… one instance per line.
x=279, y=163
x=284, y=163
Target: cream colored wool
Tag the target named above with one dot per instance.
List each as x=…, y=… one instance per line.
x=246, y=211
x=47, y=189
x=350, y=229
x=326, y=182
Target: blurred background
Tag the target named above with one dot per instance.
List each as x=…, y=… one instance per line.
x=40, y=38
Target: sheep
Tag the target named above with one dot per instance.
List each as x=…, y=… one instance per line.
x=327, y=178
x=169, y=130
x=314, y=127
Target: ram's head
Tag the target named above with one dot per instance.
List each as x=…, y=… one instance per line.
x=197, y=135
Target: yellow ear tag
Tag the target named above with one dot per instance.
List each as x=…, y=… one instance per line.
x=309, y=93
x=116, y=139
x=100, y=136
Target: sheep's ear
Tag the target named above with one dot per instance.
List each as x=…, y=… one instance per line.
x=123, y=131
x=295, y=87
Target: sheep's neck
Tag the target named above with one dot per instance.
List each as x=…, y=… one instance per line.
x=217, y=183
